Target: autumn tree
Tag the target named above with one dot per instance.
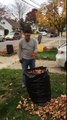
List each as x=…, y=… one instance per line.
x=41, y=18
x=31, y=16
x=54, y=16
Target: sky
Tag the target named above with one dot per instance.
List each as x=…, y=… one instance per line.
x=6, y=2
x=10, y=2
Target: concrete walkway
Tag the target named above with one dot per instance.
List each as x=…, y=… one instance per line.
x=13, y=63
x=5, y=62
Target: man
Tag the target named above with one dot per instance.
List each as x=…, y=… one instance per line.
x=39, y=38
x=27, y=51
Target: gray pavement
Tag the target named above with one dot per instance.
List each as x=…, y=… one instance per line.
x=46, y=41
x=13, y=63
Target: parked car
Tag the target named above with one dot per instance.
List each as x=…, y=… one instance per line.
x=61, y=56
x=13, y=36
x=43, y=33
x=1, y=38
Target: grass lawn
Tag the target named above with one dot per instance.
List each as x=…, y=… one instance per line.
x=11, y=92
x=47, y=54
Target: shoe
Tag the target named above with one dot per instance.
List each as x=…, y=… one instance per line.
x=23, y=86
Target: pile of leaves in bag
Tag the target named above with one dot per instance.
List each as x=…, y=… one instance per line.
x=54, y=110
x=36, y=71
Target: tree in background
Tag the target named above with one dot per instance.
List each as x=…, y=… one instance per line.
x=18, y=9
x=31, y=16
x=54, y=16
x=41, y=18
x=22, y=24
x=4, y=11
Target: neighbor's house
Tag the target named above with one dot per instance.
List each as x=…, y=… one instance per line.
x=9, y=24
x=1, y=30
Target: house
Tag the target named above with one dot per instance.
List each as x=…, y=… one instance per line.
x=9, y=24
x=35, y=27
x=1, y=31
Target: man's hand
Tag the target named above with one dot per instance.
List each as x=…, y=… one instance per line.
x=33, y=54
x=21, y=61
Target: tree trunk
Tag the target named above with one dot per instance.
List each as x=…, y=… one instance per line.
x=58, y=32
x=61, y=33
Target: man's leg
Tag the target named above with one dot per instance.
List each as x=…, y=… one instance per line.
x=32, y=63
x=24, y=67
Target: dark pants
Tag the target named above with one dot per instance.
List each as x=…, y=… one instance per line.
x=25, y=65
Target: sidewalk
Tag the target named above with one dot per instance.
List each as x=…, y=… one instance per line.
x=13, y=63
x=5, y=62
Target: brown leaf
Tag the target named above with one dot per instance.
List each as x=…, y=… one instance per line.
x=18, y=107
x=20, y=102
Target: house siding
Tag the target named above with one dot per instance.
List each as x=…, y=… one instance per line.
x=2, y=32
x=6, y=25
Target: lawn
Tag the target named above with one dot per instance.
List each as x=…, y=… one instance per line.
x=11, y=92
x=47, y=54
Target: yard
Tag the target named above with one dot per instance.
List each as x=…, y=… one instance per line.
x=47, y=54
x=11, y=93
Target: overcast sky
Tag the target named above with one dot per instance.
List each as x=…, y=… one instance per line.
x=9, y=2
x=6, y=2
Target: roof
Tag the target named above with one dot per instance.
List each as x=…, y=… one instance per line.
x=1, y=27
x=14, y=23
x=0, y=18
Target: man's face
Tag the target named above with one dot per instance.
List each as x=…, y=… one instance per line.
x=27, y=36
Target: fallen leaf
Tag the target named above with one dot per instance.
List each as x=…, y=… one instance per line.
x=20, y=102
x=18, y=107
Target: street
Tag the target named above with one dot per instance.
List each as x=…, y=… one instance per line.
x=53, y=42
x=46, y=41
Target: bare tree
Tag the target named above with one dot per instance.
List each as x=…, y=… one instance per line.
x=4, y=11
x=18, y=9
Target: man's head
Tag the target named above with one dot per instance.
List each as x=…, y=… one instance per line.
x=27, y=32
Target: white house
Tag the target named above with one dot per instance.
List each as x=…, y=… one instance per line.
x=9, y=24
x=35, y=28
x=1, y=31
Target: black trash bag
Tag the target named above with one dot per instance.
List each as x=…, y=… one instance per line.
x=38, y=84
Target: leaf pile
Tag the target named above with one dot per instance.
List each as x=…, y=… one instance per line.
x=55, y=109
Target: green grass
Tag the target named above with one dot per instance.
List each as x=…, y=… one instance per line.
x=10, y=94
x=47, y=54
